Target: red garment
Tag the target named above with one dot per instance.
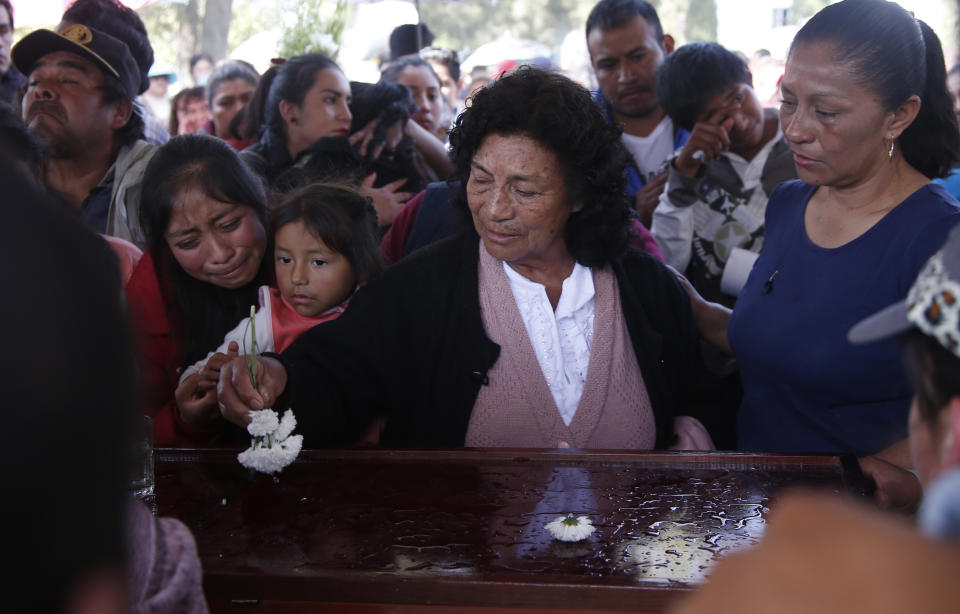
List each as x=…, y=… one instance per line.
x=240, y=144
x=127, y=254
x=392, y=244
x=288, y=324
x=160, y=354
x=643, y=239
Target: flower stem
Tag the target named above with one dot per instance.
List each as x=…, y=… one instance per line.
x=254, y=351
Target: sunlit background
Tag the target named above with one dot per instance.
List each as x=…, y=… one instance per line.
x=483, y=32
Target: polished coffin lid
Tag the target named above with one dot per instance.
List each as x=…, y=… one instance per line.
x=466, y=527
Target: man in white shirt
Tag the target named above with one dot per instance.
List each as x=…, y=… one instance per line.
x=719, y=182
x=627, y=46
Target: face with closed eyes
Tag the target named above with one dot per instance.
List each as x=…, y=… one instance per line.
x=214, y=241
x=519, y=201
x=838, y=129
x=64, y=104
x=739, y=103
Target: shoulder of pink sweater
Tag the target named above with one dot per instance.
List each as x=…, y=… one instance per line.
x=164, y=573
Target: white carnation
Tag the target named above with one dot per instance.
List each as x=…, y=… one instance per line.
x=570, y=529
x=263, y=422
x=287, y=424
x=272, y=459
x=273, y=446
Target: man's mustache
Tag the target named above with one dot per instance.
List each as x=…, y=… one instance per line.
x=46, y=106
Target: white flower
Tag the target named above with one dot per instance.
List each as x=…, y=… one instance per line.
x=287, y=424
x=263, y=422
x=272, y=459
x=570, y=529
x=273, y=447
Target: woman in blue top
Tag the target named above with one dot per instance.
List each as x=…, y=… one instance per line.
x=867, y=115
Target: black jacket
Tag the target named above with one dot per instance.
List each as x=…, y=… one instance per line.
x=412, y=347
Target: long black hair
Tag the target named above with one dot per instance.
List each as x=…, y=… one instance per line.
x=206, y=163
x=293, y=80
x=895, y=56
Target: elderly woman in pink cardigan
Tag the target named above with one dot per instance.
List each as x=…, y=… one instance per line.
x=537, y=326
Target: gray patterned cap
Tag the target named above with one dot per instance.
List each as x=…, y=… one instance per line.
x=932, y=305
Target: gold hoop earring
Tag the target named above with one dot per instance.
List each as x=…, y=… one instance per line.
x=890, y=151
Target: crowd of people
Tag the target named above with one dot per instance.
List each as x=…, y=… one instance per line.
x=663, y=263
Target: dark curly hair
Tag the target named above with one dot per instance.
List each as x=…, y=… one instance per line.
x=293, y=80
x=562, y=117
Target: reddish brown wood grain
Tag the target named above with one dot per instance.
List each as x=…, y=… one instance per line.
x=449, y=530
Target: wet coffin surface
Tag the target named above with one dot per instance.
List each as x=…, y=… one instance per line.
x=467, y=527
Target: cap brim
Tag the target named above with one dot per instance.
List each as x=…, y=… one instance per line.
x=171, y=76
x=39, y=43
x=881, y=325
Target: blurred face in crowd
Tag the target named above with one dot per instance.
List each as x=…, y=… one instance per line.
x=230, y=97
x=192, y=114
x=625, y=60
x=213, y=241
x=426, y=95
x=6, y=39
x=953, y=84
x=519, y=201
x=325, y=111
x=837, y=129
x=448, y=87
x=312, y=277
x=64, y=105
x=201, y=71
x=159, y=86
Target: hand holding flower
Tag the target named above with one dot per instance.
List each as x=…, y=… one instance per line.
x=235, y=390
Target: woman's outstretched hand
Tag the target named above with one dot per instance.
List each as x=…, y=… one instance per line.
x=711, y=318
x=236, y=395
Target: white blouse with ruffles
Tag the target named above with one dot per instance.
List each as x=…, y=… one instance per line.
x=561, y=339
